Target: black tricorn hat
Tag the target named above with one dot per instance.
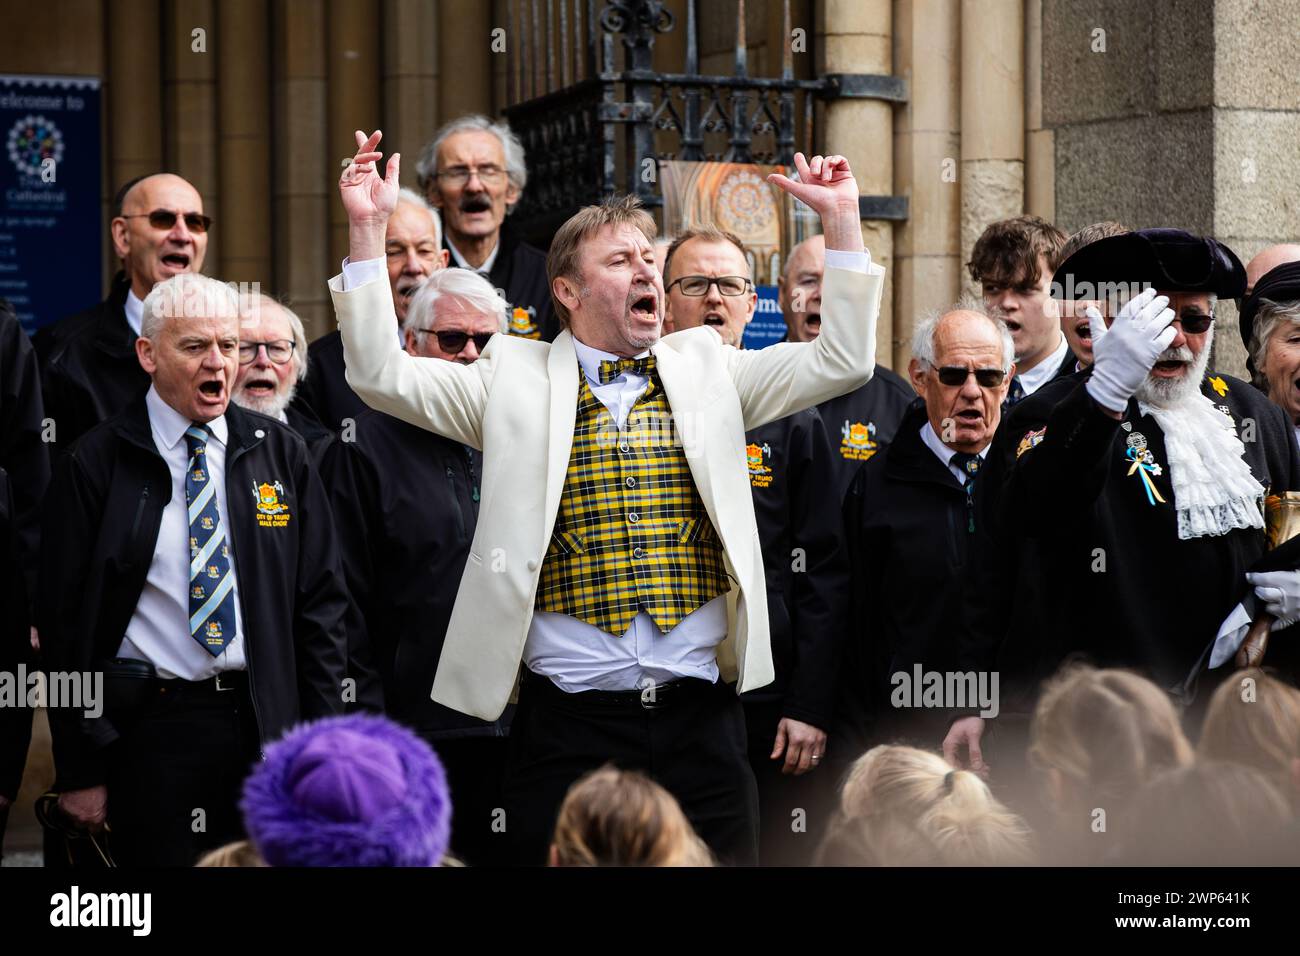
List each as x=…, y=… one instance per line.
x=1170, y=260
x=1279, y=284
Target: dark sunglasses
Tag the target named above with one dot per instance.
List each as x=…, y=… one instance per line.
x=954, y=375
x=453, y=342
x=1195, y=324
x=166, y=219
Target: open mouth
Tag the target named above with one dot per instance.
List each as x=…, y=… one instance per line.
x=715, y=319
x=1012, y=325
x=212, y=390
x=645, y=307
x=406, y=291
x=258, y=387
x=1084, y=331
x=1169, y=368
x=970, y=416
x=476, y=203
x=176, y=260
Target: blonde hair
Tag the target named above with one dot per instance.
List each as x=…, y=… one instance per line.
x=912, y=808
x=614, y=817
x=1107, y=731
x=564, y=257
x=240, y=853
x=1262, y=732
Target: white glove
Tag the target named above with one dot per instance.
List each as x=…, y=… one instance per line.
x=1125, y=353
x=1279, y=592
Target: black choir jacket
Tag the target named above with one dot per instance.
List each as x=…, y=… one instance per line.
x=864, y=421
x=804, y=564
x=519, y=271
x=405, y=503
x=100, y=530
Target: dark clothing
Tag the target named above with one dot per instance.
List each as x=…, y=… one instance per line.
x=23, y=453
x=190, y=747
x=88, y=366
x=807, y=605
x=325, y=392
x=15, y=649
x=1116, y=582
x=100, y=531
x=908, y=529
x=691, y=740
x=803, y=562
x=519, y=274
x=405, y=502
x=316, y=435
x=862, y=422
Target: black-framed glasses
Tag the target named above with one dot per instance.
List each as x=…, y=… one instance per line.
x=166, y=219
x=453, y=342
x=699, y=285
x=459, y=175
x=955, y=375
x=278, y=351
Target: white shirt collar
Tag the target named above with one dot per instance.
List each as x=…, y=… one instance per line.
x=486, y=267
x=1042, y=373
x=590, y=359
x=942, y=451
x=134, y=310
x=169, y=425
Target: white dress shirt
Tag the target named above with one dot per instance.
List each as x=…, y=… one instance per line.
x=1042, y=373
x=944, y=453
x=463, y=263
x=159, y=630
x=134, y=310
x=577, y=656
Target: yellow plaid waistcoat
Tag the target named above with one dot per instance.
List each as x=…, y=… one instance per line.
x=631, y=532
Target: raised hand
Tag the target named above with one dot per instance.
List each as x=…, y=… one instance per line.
x=368, y=197
x=826, y=184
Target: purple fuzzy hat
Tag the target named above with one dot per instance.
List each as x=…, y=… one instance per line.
x=349, y=791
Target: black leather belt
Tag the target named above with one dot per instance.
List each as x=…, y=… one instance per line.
x=223, y=683
x=654, y=696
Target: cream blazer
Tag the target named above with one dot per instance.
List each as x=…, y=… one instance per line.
x=517, y=404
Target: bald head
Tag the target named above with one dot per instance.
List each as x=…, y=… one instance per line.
x=1268, y=260
x=800, y=289
x=150, y=249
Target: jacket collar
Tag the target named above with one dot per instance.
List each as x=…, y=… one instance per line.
x=909, y=459
x=114, y=334
x=242, y=429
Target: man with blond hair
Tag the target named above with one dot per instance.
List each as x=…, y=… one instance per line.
x=617, y=543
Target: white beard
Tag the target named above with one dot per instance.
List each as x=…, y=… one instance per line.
x=1170, y=392
x=273, y=406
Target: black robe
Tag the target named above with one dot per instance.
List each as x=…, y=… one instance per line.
x=1114, y=581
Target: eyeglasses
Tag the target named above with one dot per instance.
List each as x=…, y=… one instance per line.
x=166, y=219
x=459, y=175
x=453, y=342
x=1195, y=324
x=954, y=375
x=278, y=351
x=699, y=285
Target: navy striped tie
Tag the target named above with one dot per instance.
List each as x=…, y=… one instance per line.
x=212, y=604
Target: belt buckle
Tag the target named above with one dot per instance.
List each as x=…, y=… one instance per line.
x=650, y=694
x=216, y=682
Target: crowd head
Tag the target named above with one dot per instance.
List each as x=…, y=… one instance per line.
x=159, y=230
x=452, y=316
x=473, y=172
x=272, y=356
x=1012, y=263
x=707, y=278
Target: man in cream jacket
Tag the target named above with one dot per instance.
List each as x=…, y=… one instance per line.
x=616, y=555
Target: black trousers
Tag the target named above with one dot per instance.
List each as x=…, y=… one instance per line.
x=475, y=769
x=187, y=750
x=691, y=741
x=794, y=811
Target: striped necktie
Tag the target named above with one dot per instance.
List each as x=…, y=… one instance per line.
x=1015, y=394
x=212, y=605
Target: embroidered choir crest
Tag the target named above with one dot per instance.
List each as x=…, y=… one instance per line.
x=523, y=323
x=760, y=475
x=206, y=522
x=1031, y=440
x=857, y=440
x=1144, y=465
x=1219, y=385
x=213, y=571
x=272, y=511
x=213, y=632
x=197, y=592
